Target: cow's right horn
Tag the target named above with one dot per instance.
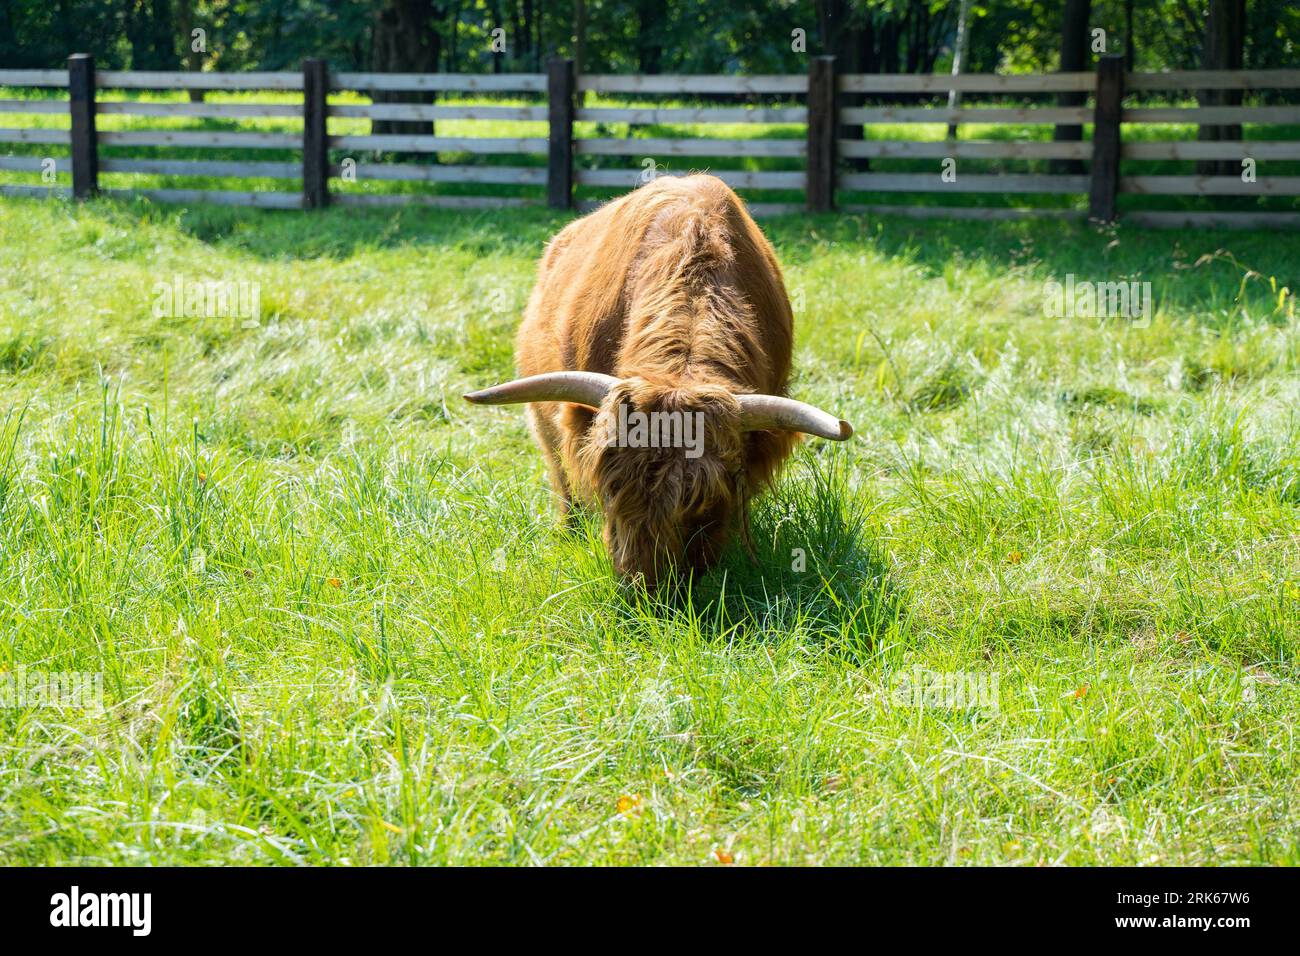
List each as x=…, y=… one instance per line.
x=580, y=388
x=776, y=412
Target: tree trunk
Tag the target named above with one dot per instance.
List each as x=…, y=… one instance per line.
x=1074, y=59
x=889, y=46
x=580, y=44
x=452, y=30
x=959, y=58
x=1225, y=29
x=1130, y=45
x=539, y=45
x=527, y=48
x=191, y=60
x=889, y=51
x=649, y=38
x=151, y=33
x=849, y=43
x=406, y=40
x=494, y=21
x=913, y=31
x=579, y=35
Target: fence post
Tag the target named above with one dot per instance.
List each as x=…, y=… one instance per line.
x=85, y=145
x=1106, y=138
x=821, y=134
x=315, y=146
x=559, y=169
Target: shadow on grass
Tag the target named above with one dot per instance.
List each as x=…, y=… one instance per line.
x=816, y=573
x=339, y=232
x=1169, y=259
x=1215, y=275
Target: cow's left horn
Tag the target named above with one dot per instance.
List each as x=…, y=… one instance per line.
x=581, y=388
x=774, y=413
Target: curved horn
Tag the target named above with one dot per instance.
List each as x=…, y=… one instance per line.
x=580, y=388
x=774, y=413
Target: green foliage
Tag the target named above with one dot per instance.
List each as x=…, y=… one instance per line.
x=690, y=36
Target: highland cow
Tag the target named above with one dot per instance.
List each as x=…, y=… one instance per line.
x=665, y=308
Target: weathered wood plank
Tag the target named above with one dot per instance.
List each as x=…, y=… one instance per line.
x=29, y=164
x=51, y=136
x=559, y=160
x=434, y=82
x=1213, y=114
x=34, y=78
x=966, y=82
x=161, y=137
x=736, y=178
x=184, y=80
x=409, y=172
x=1106, y=139
x=1229, y=220
x=691, y=147
x=963, y=149
x=1223, y=149
x=315, y=148
x=34, y=106
x=1210, y=186
x=81, y=108
x=201, y=110
x=970, y=114
x=820, y=145
x=38, y=192
x=965, y=183
x=201, y=167
x=421, y=111
x=761, y=209
x=686, y=115
x=437, y=144
x=446, y=202
x=1214, y=80
x=756, y=209
x=219, y=197
x=699, y=83
x=964, y=212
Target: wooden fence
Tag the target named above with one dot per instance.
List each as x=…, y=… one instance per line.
x=825, y=153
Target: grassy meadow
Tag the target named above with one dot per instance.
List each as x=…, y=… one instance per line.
x=337, y=623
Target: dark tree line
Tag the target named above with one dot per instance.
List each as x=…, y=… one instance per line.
x=647, y=36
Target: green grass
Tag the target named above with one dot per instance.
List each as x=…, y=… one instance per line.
x=337, y=623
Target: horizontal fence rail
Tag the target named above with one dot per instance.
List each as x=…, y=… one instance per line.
x=1009, y=114
x=703, y=83
x=837, y=150
x=161, y=80
x=687, y=115
x=1229, y=151
x=34, y=78
x=966, y=83
x=975, y=183
x=1215, y=80
x=441, y=82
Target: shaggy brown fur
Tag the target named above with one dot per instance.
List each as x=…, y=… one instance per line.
x=673, y=288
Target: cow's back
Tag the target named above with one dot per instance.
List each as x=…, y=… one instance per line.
x=673, y=281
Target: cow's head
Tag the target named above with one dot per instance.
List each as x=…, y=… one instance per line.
x=666, y=461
